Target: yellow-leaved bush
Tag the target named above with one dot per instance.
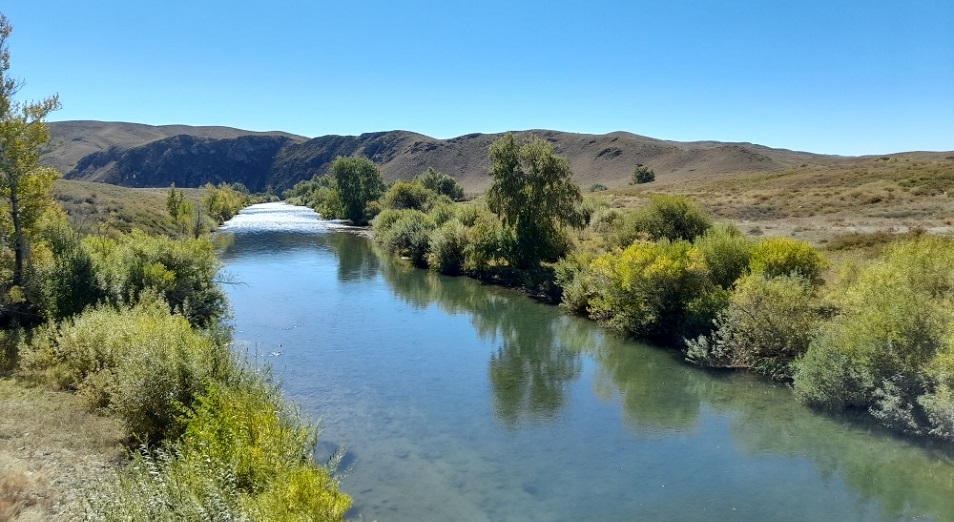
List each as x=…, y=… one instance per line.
x=890, y=350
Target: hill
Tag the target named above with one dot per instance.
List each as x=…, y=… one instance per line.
x=149, y=156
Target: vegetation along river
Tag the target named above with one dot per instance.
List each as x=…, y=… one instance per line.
x=461, y=401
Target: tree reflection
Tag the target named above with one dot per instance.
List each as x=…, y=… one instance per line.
x=530, y=370
x=655, y=391
x=540, y=353
x=356, y=259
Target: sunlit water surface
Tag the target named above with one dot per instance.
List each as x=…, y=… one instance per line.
x=458, y=401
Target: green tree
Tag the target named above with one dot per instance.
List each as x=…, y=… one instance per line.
x=670, y=216
x=359, y=183
x=642, y=174
x=441, y=183
x=24, y=184
x=180, y=210
x=535, y=197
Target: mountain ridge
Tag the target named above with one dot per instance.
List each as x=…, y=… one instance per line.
x=140, y=155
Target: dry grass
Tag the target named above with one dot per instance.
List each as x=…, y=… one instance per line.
x=50, y=448
x=819, y=203
x=100, y=207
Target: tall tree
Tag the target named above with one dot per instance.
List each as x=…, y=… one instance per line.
x=534, y=195
x=359, y=182
x=24, y=184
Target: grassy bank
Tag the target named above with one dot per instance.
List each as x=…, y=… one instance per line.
x=132, y=332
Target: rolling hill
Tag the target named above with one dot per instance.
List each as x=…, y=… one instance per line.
x=139, y=155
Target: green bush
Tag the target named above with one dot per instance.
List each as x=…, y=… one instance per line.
x=409, y=195
x=573, y=277
x=650, y=289
x=891, y=350
x=489, y=243
x=666, y=216
x=766, y=325
x=142, y=363
x=447, y=246
x=244, y=455
x=777, y=256
x=642, y=174
x=405, y=233
x=605, y=220
x=726, y=252
x=441, y=183
x=69, y=283
x=183, y=271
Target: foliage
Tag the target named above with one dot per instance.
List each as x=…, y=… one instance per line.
x=440, y=183
x=448, y=244
x=223, y=201
x=650, y=289
x=572, y=276
x=777, y=256
x=405, y=233
x=140, y=362
x=24, y=184
x=890, y=350
x=534, y=195
x=642, y=174
x=181, y=211
x=766, y=325
x=726, y=252
x=182, y=271
x=669, y=217
x=69, y=283
x=411, y=195
x=358, y=182
x=244, y=456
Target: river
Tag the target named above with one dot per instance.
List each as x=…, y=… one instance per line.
x=460, y=401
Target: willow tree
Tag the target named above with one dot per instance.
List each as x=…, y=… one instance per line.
x=535, y=197
x=359, y=183
x=24, y=184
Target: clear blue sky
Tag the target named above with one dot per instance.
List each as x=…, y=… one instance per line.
x=841, y=77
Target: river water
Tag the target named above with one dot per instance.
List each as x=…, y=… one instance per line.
x=460, y=401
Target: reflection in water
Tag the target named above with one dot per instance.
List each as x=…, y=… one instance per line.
x=530, y=368
x=500, y=408
x=355, y=260
x=661, y=396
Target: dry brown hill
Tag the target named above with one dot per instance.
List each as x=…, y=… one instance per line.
x=148, y=156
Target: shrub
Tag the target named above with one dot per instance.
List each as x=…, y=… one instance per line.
x=604, y=220
x=406, y=234
x=642, y=174
x=409, y=195
x=142, y=363
x=183, y=271
x=489, y=243
x=766, y=325
x=778, y=256
x=69, y=283
x=726, y=252
x=243, y=456
x=648, y=289
x=441, y=183
x=572, y=276
x=891, y=350
x=447, y=246
x=669, y=217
